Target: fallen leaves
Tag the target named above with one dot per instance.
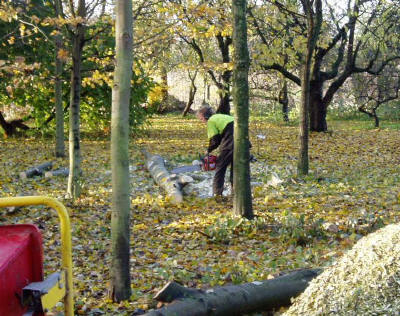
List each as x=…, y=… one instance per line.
x=352, y=190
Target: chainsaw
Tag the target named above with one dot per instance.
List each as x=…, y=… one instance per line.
x=206, y=163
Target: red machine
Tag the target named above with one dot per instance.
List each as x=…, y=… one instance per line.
x=21, y=263
x=23, y=291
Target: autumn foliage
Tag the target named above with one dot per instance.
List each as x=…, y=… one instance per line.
x=352, y=190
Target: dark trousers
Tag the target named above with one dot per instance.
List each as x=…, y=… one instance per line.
x=224, y=160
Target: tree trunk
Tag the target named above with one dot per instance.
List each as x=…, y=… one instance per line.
x=313, y=29
x=224, y=106
x=241, y=157
x=317, y=109
x=376, y=118
x=164, y=90
x=224, y=87
x=120, y=272
x=192, y=93
x=284, y=100
x=233, y=299
x=60, y=147
x=74, y=179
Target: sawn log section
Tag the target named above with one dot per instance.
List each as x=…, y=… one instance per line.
x=233, y=299
x=171, y=183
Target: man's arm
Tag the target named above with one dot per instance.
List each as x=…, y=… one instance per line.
x=214, y=142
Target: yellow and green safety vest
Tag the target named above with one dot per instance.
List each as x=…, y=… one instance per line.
x=217, y=123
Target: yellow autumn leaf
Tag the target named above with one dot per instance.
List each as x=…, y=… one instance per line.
x=62, y=55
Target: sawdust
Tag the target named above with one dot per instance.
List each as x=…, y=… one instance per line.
x=202, y=186
x=262, y=174
x=365, y=281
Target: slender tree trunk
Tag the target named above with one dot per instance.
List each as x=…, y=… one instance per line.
x=317, y=108
x=74, y=179
x=164, y=90
x=376, y=118
x=120, y=281
x=284, y=100
x=224, y=86
x=60, y=147
x=192, y=94
x=302, y=167
x=241, y=175
x=224, y=106
x=313, y=28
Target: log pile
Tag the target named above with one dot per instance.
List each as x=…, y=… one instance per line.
x=36, y=171
x=41, y=170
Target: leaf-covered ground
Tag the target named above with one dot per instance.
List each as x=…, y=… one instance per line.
x=353, y=189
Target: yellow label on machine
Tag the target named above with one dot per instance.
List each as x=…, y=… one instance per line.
x=55, y=294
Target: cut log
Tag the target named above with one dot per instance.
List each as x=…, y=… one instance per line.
x=172, y=184
x=58, y=172
x=36, y=171
x=233, y=299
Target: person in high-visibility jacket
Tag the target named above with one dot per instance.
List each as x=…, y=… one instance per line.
x=220, y=134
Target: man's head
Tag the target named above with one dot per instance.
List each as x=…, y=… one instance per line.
x=204, y=113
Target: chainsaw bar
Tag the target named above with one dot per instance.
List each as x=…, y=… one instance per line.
x=186, y=169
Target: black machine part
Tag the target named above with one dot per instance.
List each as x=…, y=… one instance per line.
x=33, y=293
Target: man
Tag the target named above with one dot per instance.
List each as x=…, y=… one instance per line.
x=220, y=134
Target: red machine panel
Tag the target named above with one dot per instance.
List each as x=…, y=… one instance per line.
x=21, y=262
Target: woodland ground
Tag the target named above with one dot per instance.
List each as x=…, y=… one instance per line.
x=353, y=189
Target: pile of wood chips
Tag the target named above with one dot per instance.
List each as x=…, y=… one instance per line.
x=365, y=281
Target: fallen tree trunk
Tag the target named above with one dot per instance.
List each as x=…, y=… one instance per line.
x=172, y=184
x=36, y=171
x=233, y=299
x=59, y=172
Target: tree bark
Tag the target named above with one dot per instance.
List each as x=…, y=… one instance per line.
x=60, y=147
x=170, y=183
x=376, y=119
x=224, y=106
x=314, y=22
x=224, y=87
x=164, y=90
x=284, y=100
x=233, y=299
x=241, y=176
x=192, y=94
x=120, y=271
x=317, y=109
x=78, y=40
